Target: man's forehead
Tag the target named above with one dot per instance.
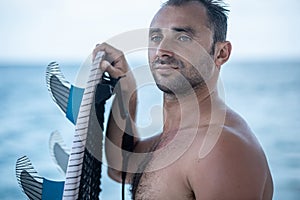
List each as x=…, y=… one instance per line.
x=189, y=14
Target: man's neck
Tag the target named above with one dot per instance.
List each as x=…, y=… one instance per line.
x=191, y=110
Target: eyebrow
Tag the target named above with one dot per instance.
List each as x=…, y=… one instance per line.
x=188, y=30
x=155, y=30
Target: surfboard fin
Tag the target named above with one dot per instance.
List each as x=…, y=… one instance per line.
x=67, y=96
x=59, y=152
x=57, y=85
x=28, y=179
x=34, y=186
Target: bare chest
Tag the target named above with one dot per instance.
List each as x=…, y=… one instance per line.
x=161, y=185
x=164, y=176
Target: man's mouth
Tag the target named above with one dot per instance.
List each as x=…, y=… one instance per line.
x=166, y=67
x=167, y=64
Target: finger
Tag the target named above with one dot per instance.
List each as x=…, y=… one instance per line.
x=111, y=54
x=112, y=71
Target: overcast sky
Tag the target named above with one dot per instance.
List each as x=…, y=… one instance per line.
x=69, y=29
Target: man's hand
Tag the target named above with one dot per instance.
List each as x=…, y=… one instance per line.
x=114, y=61
x=115, y=64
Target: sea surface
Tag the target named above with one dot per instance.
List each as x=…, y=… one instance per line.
x=265, y=93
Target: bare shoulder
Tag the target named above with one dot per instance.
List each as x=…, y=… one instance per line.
x=235, y=168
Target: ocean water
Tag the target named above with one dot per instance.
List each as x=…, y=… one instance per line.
x=265, y=93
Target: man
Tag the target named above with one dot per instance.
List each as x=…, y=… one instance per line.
x=206, y=150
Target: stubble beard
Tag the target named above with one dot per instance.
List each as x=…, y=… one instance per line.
x=183, y=81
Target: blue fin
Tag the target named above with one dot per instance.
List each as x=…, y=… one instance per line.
x=33, y=185
x=52, y=190
x=75, y=97
x=67, y=97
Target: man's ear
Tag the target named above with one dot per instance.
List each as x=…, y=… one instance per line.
x=222, y=53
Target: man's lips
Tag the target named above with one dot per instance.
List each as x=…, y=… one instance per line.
x=165, y=67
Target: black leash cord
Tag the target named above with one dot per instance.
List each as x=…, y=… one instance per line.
x=127, y=139
x=127, y=149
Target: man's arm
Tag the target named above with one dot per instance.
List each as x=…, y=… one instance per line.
x=116, y=127
x=114, y=135
x=234, y=169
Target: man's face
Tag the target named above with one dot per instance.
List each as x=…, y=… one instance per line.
x=180, y=44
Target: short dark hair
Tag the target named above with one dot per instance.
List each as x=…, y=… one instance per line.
x=216, y=12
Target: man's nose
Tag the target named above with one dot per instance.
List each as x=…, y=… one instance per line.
x=165, y=49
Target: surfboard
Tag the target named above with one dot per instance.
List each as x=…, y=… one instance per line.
x=86, y=155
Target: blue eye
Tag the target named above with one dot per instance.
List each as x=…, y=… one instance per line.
x=156, y=38
x=184, y=38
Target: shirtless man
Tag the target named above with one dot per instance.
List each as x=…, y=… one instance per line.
x=220, y=157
